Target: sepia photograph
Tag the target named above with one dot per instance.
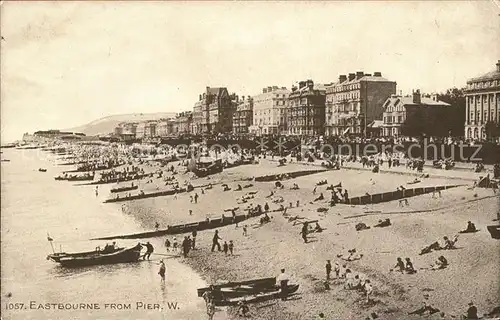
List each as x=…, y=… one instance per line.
x=268, y=160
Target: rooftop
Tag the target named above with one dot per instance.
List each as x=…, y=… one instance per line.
x=492, y=75
x=408, y=100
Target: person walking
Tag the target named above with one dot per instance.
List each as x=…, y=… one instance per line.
x=215, y=241
x=162, y=271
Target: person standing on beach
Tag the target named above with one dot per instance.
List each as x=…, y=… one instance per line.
x=231, y=247
x=195, y=198
x=162, y=271
x=226, y=247
x=96, y=191
x=303, y=232
x=215, y=241
x=210, y=310
x=328, y=268
x=282, y=279
x=185, y=246
x=193, y=243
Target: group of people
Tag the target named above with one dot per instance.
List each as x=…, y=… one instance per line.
x=351, y=281
x=188, y=244
x=228, y=248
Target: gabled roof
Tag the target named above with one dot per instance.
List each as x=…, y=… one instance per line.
x=408, y=101
x=376, y=124
x=216, y=90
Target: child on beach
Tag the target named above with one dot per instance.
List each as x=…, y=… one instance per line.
x=225, y=247
x=174, y=244
x=245, y=231
x=231, y=247
x=162, y=271
x=337, y=270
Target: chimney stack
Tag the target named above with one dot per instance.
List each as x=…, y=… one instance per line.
x=359, y=75
x=342, y=78
x=352, y=76
x=416, y=97
x=201, y=97
x=377, y=74
x=498, y=66
x=368, y=74
x=302, y=84
x=269, y=89
x=264, y=90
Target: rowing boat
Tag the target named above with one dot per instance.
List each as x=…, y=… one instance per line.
x=226, y=297
x=82, y=178
x=97, y=257
x=242, y=286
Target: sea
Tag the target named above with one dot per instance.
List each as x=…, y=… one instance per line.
x=34, y=207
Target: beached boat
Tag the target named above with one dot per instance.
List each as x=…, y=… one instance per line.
x=42, y=170
x=115, y=180
x=97, y=257
x=98, y=168
x=206, y=167
x=242, y=286
x=258, y=297
x=494, y=231
x=5, y=160
x=146, y=195
x=129, y=188
x=78, y=178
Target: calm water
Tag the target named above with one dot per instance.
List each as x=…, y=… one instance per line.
x=32, y=204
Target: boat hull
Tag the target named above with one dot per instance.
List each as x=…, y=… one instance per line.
x=240, y=287
x=258, y=297
x=85, y=259
x=494, y=231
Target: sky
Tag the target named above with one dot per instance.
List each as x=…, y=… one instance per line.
x=64, y=64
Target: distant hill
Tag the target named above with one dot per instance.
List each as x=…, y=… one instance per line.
x=107, y=124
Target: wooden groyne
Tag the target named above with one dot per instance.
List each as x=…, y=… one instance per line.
x=396, y=195
x=183, y=228
x=291, y=175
